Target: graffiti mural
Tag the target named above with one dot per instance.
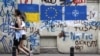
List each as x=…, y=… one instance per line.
x=49, y=18
x=6, y=17
x=81, y=34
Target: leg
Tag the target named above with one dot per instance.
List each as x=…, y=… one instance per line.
x=17, y=52
x=22, y=46
x=15, y=46
x=22, y=43
x=23, y=50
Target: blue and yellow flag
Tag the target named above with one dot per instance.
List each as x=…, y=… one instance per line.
x=32, y=17
x=31, y=11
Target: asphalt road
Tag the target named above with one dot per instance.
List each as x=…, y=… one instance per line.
x=54, y=55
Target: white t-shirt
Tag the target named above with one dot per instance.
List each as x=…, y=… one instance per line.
x=23, y=31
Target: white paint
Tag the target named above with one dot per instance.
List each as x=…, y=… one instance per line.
x=29, y=1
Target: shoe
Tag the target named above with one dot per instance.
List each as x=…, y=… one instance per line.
x=28, y=55
x=31, y=52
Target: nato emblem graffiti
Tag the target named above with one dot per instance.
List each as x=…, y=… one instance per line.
x=75, y=13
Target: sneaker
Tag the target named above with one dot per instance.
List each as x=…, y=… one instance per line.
x=31, y=52
x=28, y=55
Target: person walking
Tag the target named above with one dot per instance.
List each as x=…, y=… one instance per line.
x=20, y=33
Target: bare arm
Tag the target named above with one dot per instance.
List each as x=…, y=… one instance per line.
x=19, y=24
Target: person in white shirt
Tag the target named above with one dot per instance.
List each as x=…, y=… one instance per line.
x=20, y=33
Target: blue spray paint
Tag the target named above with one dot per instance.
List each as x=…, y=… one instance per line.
x=33, y=39
x=93, y=23
x=6, y=21
x=49, y=25
x=7, y=3
x=27, y=24
x=84, y=36
x=5, y=44
x=2, y=13
x=74, y=37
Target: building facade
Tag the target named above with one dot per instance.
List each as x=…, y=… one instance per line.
x=78, y=28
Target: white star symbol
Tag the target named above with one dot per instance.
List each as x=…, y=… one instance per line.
x=75, y=13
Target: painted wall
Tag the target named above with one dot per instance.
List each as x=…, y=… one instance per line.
x=7, y=34
x=82, y=34
x=6, y=10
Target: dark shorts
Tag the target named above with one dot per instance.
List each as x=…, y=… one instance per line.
x=16, y=42
x=23, y=37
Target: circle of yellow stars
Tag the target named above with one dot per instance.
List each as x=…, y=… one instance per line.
x=51, y=17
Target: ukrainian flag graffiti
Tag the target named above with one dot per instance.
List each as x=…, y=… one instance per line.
x=31, y=11
x=32, y=17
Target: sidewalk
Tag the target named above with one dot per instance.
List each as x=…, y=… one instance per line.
x=54, y=55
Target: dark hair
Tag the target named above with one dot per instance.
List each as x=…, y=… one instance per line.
x=17, y=12
x=23, y=16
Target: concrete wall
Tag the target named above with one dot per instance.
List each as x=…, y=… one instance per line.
x=7, y=34
x=83, y=36
x=99, y=32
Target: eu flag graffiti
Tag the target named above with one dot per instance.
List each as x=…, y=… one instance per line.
x=51, y=12
x=75, y=13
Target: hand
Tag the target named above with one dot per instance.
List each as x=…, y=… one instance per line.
x=23, y=28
